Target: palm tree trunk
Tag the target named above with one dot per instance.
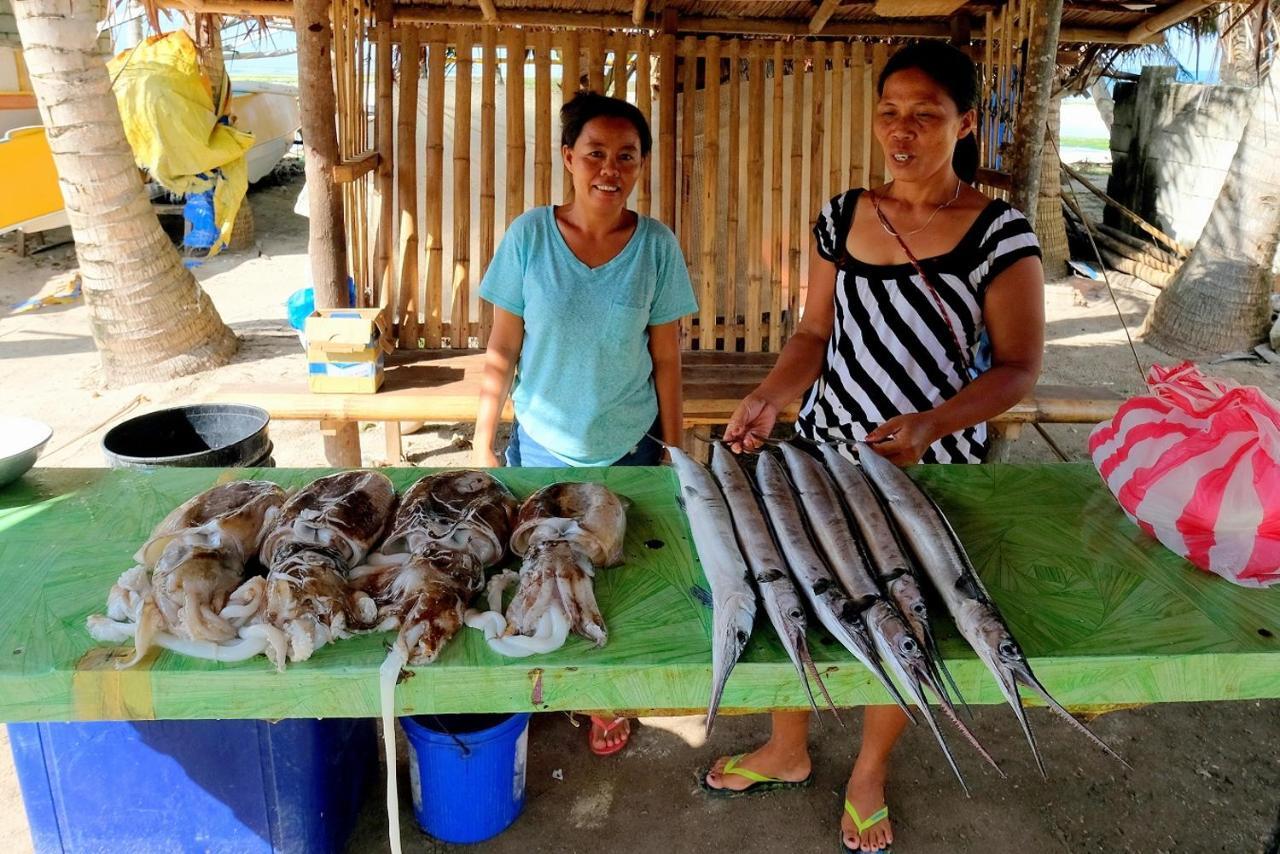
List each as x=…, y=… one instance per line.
x=1218, y=302
x=150, y=319
x=1051, y=228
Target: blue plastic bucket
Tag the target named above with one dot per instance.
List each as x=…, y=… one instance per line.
x=467, y=773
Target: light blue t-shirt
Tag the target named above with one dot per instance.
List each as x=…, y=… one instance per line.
x=584, y=383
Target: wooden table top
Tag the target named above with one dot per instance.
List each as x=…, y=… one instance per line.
x=442, y=385
x=1106, y=614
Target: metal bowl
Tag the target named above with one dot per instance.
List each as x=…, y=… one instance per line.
x=21, y=441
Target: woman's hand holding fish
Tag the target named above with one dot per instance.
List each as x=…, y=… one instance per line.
x=903, y=439
x=751, y=423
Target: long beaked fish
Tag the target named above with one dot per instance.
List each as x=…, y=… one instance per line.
x=733, y=602
x=844, y=553
x=777, y=592
x=887, y=555
x=833, y=607
x=941, y=555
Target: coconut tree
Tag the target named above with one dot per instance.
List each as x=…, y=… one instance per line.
x=150, y=319
x=1218, y=301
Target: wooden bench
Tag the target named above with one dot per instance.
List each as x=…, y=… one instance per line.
x=443, y=386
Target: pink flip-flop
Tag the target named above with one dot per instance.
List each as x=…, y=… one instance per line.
x=606, y=727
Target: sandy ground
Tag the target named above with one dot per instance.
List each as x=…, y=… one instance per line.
x=1206, y=776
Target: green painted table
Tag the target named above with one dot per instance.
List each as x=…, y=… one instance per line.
x=1107, y=615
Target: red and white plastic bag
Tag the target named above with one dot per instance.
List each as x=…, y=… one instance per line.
x=1196, y=464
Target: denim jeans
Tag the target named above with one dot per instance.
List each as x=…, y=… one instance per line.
x=523, y=452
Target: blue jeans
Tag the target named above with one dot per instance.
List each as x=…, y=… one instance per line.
x=523, y=452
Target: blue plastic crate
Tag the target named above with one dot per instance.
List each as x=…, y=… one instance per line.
x=193, y=786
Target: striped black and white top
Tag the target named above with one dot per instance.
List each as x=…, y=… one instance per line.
x=890, y=351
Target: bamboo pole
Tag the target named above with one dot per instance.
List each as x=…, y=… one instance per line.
x=755, y=201
x=460, y=292
x=688, y=119
x=595, y=60
x=667, y=129
x=710, y=196
x=644, y=102
x=621, y=64
x=839, y=130
x=777, y=231
x=859, y=114
x=542, y=118
x=407, y=189
x=488, y=160
x=730, y=281
x=799, y=241
x=433, y=294
x=817, y=119
x=877, y=174
x=515, y=125
x=988, y=115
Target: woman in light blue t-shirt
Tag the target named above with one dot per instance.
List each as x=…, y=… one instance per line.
x=586, y=300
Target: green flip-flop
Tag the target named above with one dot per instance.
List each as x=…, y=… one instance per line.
x=760, y=783
x=863, y=825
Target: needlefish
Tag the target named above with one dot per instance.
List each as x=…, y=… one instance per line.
x=844, y=554
x=886, y=554
x=940, y=554
x=777, y=592
x=733, y=602
x=833, y=607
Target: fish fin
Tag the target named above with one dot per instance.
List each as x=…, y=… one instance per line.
x=1034, y=684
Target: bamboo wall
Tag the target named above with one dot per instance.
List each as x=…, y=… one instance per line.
x=751, y=137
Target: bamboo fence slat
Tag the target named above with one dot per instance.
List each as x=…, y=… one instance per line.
x=644, y=102
x=860, y=113
x=460, y=292
x=878, y=173
x=755, y=201
x=817, y=119
x=433, y=294
x=383, y=276
x=542, y=118
x=488, y=163
x=667, y=129
x=729, y=283
x=515, y=125
x=776, y=295
x=799, y=240
x=988, y=114
x=839, y=130
x=710, y=173
x=688, y=120
x=570, y=85
x=407, y=188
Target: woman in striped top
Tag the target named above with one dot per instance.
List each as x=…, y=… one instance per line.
x=924, y=318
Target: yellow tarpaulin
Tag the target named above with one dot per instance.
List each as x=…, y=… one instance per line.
x=167, y=106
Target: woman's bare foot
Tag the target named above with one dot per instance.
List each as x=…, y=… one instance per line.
x=608, y=735
x=865, y=792
x=771, y=760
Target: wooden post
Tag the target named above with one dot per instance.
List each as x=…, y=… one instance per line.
x=488, y=146
x=688, y=125
x=817, y=119
x=755, y=201
x=341, y=438
x=595, y=61
x=1033, y=113
x=407, y=188
x=644, y=101
x=542, y=118
x=776, y=297
x=859, y=113
x=327, y=242
x=706, y=275
x=515, y=125
x=876, y=171
x=460, y=292
x=667, y=89
x=621, y=64
x=433, y=294
x=732, y=284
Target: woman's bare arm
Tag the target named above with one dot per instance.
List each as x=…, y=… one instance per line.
x=500, y=359
x=664, y=349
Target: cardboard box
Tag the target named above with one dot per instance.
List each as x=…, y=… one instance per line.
x=346, y=348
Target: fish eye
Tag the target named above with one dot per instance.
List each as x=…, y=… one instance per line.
x=909, y=646
x=1008, y=649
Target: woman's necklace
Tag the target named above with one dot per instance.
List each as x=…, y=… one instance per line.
x=888, y=227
